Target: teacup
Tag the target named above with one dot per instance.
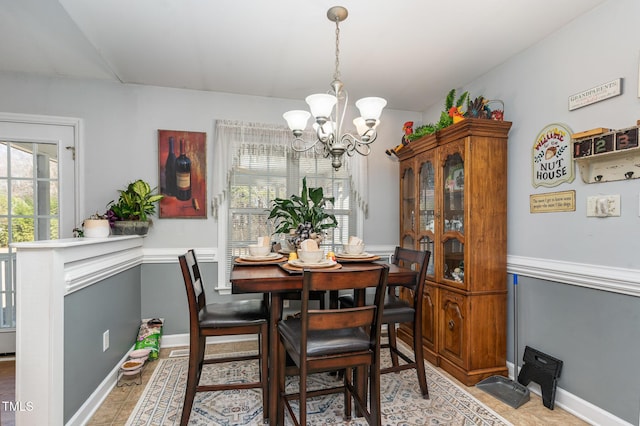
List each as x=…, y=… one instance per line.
x=310, y=256
x=258, y=250
x=353, y=248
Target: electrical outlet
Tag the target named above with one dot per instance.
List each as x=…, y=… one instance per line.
x=285, y=303
x=105, y=341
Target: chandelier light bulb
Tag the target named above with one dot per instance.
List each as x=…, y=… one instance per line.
x=362, y=126
x=371, y=108
x=297, y=120
x=321, y=105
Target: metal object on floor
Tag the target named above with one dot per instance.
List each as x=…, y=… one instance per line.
x=129, y=378
x=506, y=390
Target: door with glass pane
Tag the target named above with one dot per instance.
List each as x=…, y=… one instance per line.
x=37, y=199
x=453, y=215
x=407, y=205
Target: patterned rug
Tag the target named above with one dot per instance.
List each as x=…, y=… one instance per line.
x=402, y=403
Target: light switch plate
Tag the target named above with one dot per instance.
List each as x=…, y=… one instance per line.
x=603, y=205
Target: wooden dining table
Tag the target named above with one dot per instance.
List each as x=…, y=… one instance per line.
x=274, y=281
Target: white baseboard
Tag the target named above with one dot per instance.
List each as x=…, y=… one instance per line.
x=91, y=405
x=577, y=406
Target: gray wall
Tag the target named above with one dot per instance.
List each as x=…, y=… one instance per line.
x=595, y=333
x=112, y=304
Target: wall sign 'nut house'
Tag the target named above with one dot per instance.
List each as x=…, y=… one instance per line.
x=552, y=162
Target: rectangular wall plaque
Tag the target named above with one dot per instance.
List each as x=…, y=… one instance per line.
x=564, y=201
x=596, y=94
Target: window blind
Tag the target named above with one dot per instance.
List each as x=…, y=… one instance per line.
x=261, y=167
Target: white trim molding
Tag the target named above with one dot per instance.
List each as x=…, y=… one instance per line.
x=170, y=255
x=599, y=277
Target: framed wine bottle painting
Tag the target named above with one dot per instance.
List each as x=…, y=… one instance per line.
x=183, y=173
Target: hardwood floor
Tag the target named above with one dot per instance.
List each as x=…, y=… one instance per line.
x=121, y=401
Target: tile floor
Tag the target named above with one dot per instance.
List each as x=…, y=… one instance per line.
x=120, y=403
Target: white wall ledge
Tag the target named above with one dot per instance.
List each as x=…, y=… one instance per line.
x=46, y=272
x=599, y=277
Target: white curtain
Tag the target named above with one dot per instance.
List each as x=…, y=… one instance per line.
x=232, y=138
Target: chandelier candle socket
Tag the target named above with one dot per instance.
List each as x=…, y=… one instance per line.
x=328, y=111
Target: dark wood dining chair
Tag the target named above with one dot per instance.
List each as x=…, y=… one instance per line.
x=397, y=310
x=335, y=339
x=220, y=319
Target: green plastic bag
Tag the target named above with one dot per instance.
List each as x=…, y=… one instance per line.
x=149, y=336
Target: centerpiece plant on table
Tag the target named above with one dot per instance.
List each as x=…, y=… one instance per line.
x=303, y=216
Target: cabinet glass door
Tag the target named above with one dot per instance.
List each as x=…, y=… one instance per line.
x=453, y=218
x=427, y=218
x=408, y=211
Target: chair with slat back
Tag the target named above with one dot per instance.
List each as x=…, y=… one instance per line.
x=398, y=310
x=335, y=339
x=220, y=319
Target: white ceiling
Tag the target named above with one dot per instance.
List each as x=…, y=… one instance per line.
x=411, y=52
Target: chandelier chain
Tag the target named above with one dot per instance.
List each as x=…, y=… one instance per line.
x=336, y=74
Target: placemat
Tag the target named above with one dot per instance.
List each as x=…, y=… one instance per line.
x=239, y=261
x=356, y=260
x=295, y=270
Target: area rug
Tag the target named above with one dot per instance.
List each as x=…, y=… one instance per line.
x=402, y=403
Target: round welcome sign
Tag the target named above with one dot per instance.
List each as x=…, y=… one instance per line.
x=552, y=156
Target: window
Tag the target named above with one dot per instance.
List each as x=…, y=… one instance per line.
x=261, y=167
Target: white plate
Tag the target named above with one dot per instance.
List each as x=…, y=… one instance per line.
x=270, y=256
x=325, y=263
x=363, y=255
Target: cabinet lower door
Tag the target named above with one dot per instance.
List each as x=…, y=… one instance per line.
x=430, y=324
x=453, y=328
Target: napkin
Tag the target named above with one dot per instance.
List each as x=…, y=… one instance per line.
x=355, y=241
x=309, y=245
x=264, y=241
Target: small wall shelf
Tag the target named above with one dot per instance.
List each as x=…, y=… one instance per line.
x=610, y=166
x=609, y=156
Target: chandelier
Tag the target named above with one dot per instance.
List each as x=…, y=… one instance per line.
x=328, y=123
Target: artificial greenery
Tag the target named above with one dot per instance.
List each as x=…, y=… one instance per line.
x=136, y=202
x=445, y=119
x=305, y=212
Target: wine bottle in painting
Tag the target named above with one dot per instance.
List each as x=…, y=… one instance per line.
x=183, y=174
x=170, y=170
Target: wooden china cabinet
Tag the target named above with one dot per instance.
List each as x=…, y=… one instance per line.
x=453, y=202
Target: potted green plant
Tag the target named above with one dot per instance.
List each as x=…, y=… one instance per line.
x=95, y=226
x=303, y=216
x=130, y=214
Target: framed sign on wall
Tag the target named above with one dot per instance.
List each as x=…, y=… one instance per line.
x=552, y=160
